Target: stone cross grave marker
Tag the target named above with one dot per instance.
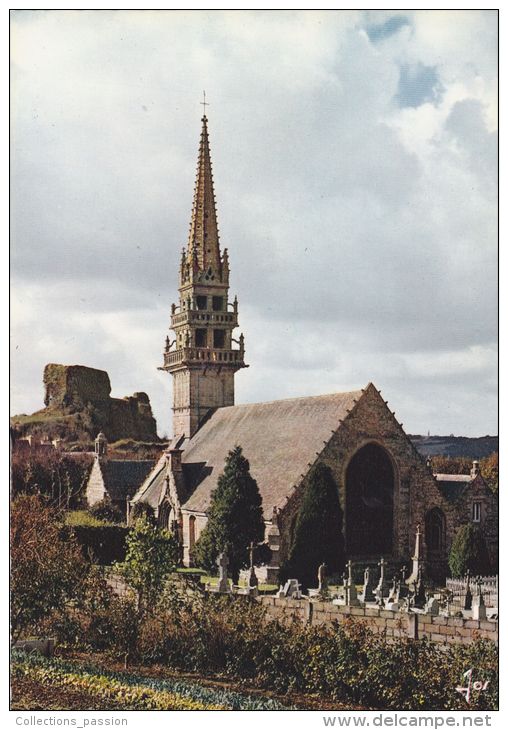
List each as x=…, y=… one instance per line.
x=253, y=579
x=223, y=584
x=351, y=594
x=380, y=590
x=367, y=594
x=479, y=608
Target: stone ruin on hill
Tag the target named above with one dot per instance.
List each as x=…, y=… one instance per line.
x=76, y=396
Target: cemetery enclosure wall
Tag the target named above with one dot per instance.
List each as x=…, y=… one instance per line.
x=441, y=629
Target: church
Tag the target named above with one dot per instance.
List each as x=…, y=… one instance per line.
x=385, y=486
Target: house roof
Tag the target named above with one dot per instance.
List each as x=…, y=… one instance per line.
x=453, y=486
x=123, y=478
x=280, y=439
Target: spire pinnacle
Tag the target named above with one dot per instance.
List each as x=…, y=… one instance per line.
x=204, y=233
x=204, y=103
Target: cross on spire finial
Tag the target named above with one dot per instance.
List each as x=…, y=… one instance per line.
x=204, y=103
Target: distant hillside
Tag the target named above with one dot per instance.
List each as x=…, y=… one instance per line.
x=475, y=448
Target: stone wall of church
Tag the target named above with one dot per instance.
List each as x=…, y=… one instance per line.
x=415, y=490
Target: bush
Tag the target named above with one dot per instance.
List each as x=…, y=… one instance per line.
x=47, y=567
x=141, y=509
x=151, y=555
x=107, y=511
x=59, y=477
x=318, y=531
x=469, y=552
x=104, y=544
x=345, y=663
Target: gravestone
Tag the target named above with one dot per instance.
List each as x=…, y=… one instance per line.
x=381, y=589
x=223, y=584
x=322, y=581
x=253, y=579
x=351, y=596
x=479, y=608
x=418, y=597
x=403, y=587
x=468, y=599
x=292, y=589
x=367, y=594
x=432, y=606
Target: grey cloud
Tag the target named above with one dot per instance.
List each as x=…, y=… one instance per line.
x=347, y=248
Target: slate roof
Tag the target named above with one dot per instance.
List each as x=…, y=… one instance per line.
x=123, y=478
x=153, y=484
x=453, y=486
x=280, y=439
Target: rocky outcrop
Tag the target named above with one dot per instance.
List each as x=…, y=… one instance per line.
x=79, y=404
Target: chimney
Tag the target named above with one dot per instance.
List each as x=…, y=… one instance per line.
x=475, y=469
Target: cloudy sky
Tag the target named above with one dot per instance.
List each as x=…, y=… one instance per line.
x=355, y=162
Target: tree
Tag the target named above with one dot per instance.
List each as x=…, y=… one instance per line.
x=469, y=552
x=47, y=567
x=235, y=517
x=151, y=555
x=490, y=470
x=318, y=530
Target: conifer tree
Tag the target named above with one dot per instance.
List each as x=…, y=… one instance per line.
x=318, y=531
x=235, y=518
x=469, y=552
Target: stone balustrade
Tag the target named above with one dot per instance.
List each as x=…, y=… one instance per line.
x=199, y=316
x=202, y=354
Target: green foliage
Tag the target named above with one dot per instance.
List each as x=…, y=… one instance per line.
x=318, y=530
x=235, y=517
x=344, y=663
x=106, y=511
x=47, y=567
x=171, y=693
x=140, y=509
x=55, y=475
x=103, y=544
x=490, y=470
x=152, y=554
x=469, y=552
x=83, y=517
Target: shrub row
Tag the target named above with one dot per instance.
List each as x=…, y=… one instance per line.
x=103, y=544
x=226, y=636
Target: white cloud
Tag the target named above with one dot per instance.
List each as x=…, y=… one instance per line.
x=362, y=236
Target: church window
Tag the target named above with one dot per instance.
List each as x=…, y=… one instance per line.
x=217, y=304
x=370, y=482
x=219, y=338
x=477, y=511
x=435, y=530
x=200, y=338
x=201, y=302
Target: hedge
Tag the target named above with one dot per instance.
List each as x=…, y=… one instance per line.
x=104, y=544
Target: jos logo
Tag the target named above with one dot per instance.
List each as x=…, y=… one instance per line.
x=471, y=686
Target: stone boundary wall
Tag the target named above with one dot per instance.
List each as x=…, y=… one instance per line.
x=440, y=629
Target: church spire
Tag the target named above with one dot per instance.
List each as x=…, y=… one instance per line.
x=203, y=356
x=203, y=245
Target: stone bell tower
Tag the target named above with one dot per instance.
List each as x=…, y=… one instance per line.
x=202, y=357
